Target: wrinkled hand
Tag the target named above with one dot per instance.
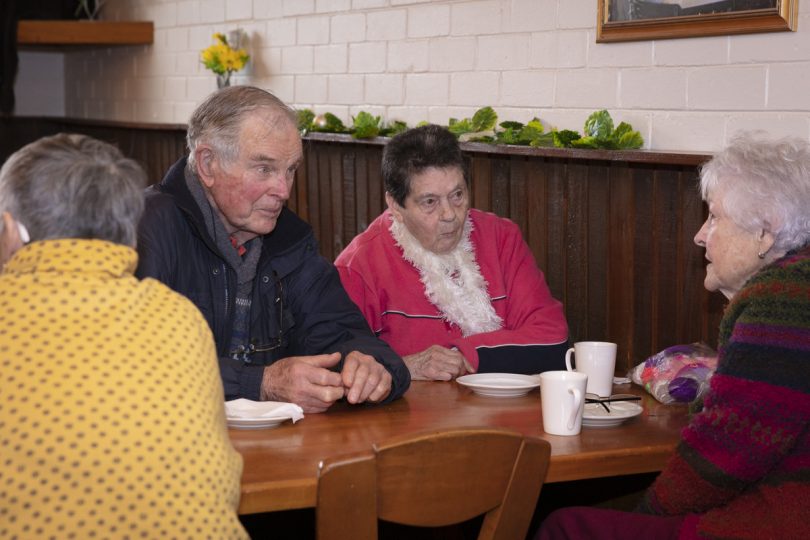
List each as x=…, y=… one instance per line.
x=305, y=381
x=437, y=363
x=364, y=378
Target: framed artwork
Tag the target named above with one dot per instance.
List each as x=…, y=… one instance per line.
x=631, y=20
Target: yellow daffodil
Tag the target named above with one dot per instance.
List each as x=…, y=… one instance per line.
x=223, y=59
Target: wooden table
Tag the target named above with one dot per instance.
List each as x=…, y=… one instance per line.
x=281, y=464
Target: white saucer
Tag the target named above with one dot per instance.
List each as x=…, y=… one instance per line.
x=247, y=414
x=256, y=423
x=499, y=384
x=595, y=415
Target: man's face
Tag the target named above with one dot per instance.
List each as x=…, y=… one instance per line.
x=250, y=192
x=435, y=209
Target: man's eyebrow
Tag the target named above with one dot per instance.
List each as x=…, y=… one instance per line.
x=262, y=158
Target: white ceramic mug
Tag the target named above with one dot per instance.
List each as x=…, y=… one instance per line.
x=562, y=394
x=597, y=359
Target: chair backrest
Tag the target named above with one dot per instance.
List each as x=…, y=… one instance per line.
x=434, y=479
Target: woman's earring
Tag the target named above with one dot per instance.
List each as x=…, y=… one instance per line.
x=761, y=255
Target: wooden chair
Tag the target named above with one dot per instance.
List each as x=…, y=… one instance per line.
x=432, y=480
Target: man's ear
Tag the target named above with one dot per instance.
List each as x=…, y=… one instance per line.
x=206, y=164
x=393, y=207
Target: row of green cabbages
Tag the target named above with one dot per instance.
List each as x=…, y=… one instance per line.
x=598, y=132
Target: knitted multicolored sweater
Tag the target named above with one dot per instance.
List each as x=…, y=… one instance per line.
x=743, y=464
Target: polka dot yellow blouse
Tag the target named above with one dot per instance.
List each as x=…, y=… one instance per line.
x=111, y=406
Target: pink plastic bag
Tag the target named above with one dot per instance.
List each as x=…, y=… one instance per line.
x=678, y=374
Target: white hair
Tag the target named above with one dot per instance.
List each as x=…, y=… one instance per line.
x=765, y=185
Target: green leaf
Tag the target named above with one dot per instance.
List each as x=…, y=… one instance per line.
x=510, y=124
x=510, y=135
x=459, y=127
x=564, y=138
x=484, y=119
x=585, y=142
x=531, y=132
x=328, y=123
x=365, y=125
x=394, y=128
x=487, y=136
x=599, y=125
x=305, y=118
x=546, y=139
x=625, y=138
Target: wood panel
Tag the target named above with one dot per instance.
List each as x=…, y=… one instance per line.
x=612, y=231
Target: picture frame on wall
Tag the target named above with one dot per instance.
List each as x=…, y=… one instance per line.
x=633, y=20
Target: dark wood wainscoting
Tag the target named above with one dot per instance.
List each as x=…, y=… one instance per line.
x=611, y=230
x=154, y=146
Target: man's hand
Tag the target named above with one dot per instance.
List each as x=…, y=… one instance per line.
x=437, y=363
x=305, y=381
x=364, y=378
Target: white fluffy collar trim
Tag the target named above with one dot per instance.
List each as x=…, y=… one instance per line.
x=453, y=281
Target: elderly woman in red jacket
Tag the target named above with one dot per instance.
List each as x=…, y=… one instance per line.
x=450, y=288
x=742, y=468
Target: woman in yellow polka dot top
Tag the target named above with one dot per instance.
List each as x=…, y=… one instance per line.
x=109, y=426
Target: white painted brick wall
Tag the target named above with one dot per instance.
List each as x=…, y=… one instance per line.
x=653, y=88
x=313, y=30
x=503, y=52
x=386, y=25
x=727, y=88
x=429, y=60
x=346, y=89
x=427, y=88
x=331, y=59
x=311, y=89
x=385, y=89
x=429, y=21
x=367, y=57
x=452, y=54
x=408, y=56
x=476, y=18
x=474, y=88
x=348, y=28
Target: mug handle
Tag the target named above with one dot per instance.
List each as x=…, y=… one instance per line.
x=568, y=354
x=575, y=410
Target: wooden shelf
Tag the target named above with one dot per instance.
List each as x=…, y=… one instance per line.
x=100, y=33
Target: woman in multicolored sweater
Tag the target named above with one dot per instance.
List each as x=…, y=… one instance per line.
x=742, y=468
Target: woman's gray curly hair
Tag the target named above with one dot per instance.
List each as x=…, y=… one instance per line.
x=764, y=185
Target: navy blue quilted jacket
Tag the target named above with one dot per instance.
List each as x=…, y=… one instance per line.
x=316, y=314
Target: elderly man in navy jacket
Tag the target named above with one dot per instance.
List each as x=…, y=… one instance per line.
x=216, y=229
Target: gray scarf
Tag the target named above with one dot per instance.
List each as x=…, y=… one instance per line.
x=245, y=267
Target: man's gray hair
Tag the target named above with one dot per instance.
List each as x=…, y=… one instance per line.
x=218, y=119
x=765, y=184
x=74, y=186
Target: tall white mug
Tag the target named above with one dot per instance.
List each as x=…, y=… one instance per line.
x=562, y=396
x=597, y=359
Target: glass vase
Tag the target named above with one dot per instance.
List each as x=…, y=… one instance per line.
x=223, y=79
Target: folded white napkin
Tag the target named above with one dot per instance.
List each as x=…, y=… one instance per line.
x=245, y=409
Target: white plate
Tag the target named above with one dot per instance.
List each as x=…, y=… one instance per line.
x=499, y=384
x=247, y=414
x=595, y=415
x=256, y=423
